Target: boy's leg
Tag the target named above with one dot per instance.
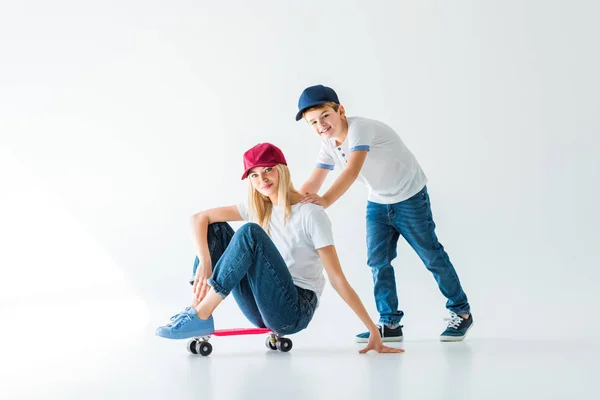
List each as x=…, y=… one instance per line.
x=414, y=220
x=382, y=241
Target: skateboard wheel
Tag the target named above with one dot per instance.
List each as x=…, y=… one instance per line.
x=270, y=346
x=191, y=346
x=204, y=348
x=284, y=345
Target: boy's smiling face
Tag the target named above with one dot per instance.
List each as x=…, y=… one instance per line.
x=325, y=121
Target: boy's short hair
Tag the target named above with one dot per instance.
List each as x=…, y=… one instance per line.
x=331, y=104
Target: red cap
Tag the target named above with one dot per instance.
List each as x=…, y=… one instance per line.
x=262, y=155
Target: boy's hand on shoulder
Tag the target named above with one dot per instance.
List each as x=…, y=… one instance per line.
x=315, y=199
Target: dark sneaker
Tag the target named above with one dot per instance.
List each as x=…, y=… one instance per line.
x=387, y=334
x=457, y=328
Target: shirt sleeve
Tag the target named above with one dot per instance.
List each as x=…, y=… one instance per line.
x=360, y=137
x=325, y=160
x=243, y=210
x=319, y=228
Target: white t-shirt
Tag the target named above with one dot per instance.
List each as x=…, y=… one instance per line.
x=391, y=171
x=307, y=230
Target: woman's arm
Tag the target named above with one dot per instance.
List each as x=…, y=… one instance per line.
x=331, y=262
x=200, y=222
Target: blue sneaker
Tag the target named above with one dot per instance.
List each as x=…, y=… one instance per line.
x=187, y=325
x=387, y=334
x=457, y=328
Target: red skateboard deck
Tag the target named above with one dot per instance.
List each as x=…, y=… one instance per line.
x=200, y=345
x=240, y=331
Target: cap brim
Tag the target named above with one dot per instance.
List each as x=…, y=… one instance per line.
x=316, y=103
x=257, y=165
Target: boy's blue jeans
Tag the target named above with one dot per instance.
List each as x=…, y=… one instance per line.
x=412, y=219
x=247, y=264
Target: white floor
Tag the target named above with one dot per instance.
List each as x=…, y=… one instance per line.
x=141, y=366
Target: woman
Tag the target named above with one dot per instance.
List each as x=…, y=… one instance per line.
x=272, y=265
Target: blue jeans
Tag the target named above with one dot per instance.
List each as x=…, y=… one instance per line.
x=247, y=264
x=412, y=219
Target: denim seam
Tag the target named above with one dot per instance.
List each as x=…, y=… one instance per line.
x=307, y=307
x=212, y=245
x=300, y=319
x=225, y=236
x=446, y=257
x=389, y=245
x=267, y=262
x=286, y=294
x=235, y=267
x=433, y=236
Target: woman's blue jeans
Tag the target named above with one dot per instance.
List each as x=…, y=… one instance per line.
x=247, y=264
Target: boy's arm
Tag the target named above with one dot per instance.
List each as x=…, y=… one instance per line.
x=342, y=183
x=314, y=182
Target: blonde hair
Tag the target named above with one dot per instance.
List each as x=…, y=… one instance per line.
x=260, y=206
x=331, y=104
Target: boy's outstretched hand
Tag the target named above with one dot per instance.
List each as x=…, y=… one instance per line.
x=376, y=344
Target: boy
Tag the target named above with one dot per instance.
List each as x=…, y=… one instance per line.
x=398, y=204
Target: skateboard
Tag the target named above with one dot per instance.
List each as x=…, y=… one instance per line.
x=200, y=345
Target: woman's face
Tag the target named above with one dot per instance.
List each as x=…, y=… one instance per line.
x=265, y=180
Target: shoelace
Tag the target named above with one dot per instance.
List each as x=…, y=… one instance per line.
x=181, y=320
x=454, y=321
x=174, y=317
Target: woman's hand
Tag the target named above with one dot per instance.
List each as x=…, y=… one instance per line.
x=203, y=272
x=375, y=343
x=331, y=263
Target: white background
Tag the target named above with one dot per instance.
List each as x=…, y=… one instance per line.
x=119, y=120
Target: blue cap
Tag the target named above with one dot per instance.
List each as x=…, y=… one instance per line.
x=313, y=96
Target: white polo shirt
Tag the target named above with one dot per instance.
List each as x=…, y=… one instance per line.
x=298, y=240
x=391, y=171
